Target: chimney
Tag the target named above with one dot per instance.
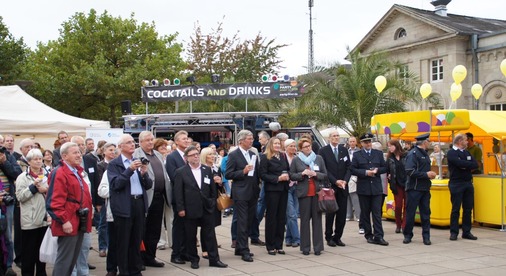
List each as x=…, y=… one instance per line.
x=440, y=6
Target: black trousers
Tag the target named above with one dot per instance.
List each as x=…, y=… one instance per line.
x=30, y=261
x=275, y=219
x=153, y=226
x=178, y=236
x=206, y=222
x=111, y=262
x=338, y=217
x=245, y=211
x=17, y=234
x=420, y=199
x=462, y=194
x=371, y=205
x=128, y=239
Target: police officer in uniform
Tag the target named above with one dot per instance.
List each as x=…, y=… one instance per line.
x=418, y=188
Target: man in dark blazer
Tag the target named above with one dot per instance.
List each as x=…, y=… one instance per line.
x=195, y=194
x=368, y=164
x=337, y=163
x=175, y=160
x=242, y=169
x=128, y=182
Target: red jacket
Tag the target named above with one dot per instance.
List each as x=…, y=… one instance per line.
x=64, y=197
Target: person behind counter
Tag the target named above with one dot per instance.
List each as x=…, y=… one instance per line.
x=475, y=152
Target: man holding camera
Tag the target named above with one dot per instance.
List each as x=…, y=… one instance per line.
x=128, y=182
x=68, y=202
x=158, y=196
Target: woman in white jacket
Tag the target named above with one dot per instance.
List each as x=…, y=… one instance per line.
x=31, y=188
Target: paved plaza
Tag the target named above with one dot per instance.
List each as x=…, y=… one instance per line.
x=486, y=256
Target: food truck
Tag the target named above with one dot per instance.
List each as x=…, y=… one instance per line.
x=489, y=130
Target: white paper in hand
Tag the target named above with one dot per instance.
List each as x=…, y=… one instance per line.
x=254, y=163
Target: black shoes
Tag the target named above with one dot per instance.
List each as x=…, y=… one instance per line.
x=317, y=253
x=469, y=236
x=154, y=263
x=380, y=241
x=177, y=260
x=237, y=253
x=406, y=240
x=340, y=243
x=427, y=242
x=218, y=264
x=281, y=251
x=195, y=265
x=305, y=253
x=453, y=237
x=247, y=258
x=397, y=230
x=271, y=252
x=258, y=242
x=91, y=267
x=331, y=243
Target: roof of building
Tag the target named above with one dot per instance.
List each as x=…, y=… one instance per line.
x=463, y=24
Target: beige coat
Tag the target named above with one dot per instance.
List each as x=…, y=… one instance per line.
x=33, y=206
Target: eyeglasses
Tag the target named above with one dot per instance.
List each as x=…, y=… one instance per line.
x=305, y=147
x=193, y=155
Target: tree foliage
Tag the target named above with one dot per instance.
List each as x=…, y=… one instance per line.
x=99, y=61
x=12, y=56
x=235, y=60
x=345, y=95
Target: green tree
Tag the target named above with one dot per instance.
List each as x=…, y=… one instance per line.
x=235, y=60
x=12, y=56
x=100, y=60
x=345, y=95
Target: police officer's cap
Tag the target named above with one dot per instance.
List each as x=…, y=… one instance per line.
x=366, y=137
x=423, y=137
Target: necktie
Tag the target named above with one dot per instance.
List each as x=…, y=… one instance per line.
x=336, y=154
x=369, y=153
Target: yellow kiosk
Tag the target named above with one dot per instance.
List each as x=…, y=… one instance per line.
x=489, y=130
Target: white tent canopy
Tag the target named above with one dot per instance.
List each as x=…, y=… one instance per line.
x=21, y=115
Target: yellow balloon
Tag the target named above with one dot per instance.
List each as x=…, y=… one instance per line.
x=503, y=67
x=425, y=90
x=455, y=91
x=476, y=90
x=380, y=82
x=459, y=73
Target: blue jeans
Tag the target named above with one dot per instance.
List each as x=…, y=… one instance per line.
x=292, y=210
x=81, y=268
x=103, y=239
x=227, y=187
x=8, y=234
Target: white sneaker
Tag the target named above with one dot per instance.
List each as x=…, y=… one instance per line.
x=361, y=231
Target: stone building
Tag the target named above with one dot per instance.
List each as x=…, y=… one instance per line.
x=431, y=43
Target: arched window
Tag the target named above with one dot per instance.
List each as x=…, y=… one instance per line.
x=400, y=33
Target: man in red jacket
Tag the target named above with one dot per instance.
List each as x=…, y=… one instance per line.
x=69, y=204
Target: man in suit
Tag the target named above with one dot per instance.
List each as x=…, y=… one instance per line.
x=337, y=163
x=461, y=164
x=160, y=194
x=63, y=138
x=242, y=169
x=128, y=182
x=195, y=195
x=176, y=160
x=418, y=189
x=368, y=164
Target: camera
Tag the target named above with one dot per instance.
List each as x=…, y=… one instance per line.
x=8, y=200
x=3, y=150
x=82, y=213
x=144, y=161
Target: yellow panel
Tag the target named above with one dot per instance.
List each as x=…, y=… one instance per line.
x=401, y=122
x=444, y=120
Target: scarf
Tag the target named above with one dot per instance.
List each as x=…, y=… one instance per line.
x=308, y=160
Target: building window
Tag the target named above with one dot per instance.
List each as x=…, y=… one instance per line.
x=498, y=107
x=403, y=73
x=437, y=69
x=400, y=33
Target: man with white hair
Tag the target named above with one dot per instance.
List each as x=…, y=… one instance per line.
x=158, y=196
x=25, y=146
x=69, y=205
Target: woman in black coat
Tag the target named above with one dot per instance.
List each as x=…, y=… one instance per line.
x=274, y=172
x=396, y=159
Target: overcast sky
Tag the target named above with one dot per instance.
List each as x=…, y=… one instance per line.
x=336, y=23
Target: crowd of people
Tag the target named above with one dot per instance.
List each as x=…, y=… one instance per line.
x=158, y=194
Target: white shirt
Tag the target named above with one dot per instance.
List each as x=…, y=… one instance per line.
x=197, y=173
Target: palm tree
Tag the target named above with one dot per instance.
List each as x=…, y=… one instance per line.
x=345, y=95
